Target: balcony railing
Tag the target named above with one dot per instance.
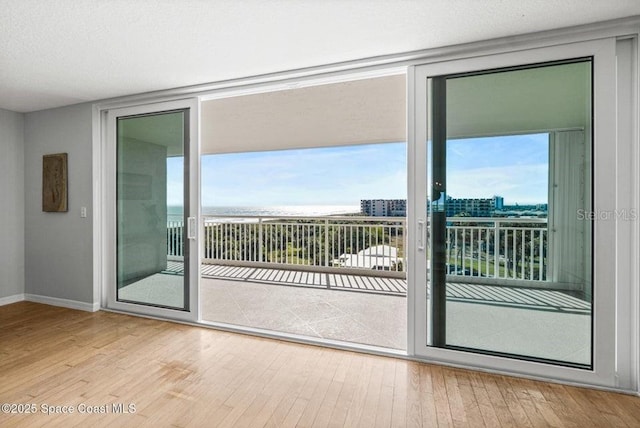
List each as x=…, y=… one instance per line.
x=502, y=248
x=311, y=242
x=506, y=248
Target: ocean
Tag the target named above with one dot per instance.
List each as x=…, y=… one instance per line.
x=175, y=213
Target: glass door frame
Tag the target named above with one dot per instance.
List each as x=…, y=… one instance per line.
x=192, y=210
x=604, y=180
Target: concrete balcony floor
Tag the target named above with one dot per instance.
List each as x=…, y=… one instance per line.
x=367, y=318
x=537, y=323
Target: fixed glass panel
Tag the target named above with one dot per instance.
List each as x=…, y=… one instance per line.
x=509, y=204
x=151, y=239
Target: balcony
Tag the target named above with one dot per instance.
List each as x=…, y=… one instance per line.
x=290, y=274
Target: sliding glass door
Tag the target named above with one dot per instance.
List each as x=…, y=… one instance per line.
x=505, y=271
x=155, y=195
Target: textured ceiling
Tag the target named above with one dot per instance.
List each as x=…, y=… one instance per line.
x=55, y=53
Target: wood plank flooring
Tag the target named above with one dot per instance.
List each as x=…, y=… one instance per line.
x=179, y=376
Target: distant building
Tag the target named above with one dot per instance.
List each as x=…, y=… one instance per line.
x=474, y=207
x=499, y=202
x=379, y=257
x=384, y=207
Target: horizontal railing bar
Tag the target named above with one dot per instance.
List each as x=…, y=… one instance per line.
x=498, y=219
x=493, y=227
x=381, y=220
x=310, y=218
x=311, y=224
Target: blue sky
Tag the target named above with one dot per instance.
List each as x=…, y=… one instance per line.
x=322, y=176
x=514, y=167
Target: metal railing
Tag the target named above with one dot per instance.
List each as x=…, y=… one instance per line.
x=175, y=238
x=345, y=242
x=506, y=248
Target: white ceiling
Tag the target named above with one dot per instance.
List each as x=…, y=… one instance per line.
x=55, y=53
x=363, y=111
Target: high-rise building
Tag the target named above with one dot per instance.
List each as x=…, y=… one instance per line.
x=474, y=207
x=384, y=207
x=498, y=202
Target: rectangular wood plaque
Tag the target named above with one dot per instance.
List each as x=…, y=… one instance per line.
x=54, y=183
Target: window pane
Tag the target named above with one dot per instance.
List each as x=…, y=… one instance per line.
x=510, y=253
x=150, y=239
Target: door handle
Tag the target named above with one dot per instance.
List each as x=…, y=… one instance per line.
x=421, y=235
x=191, y=228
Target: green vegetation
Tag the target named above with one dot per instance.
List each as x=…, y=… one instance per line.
x=311, y=242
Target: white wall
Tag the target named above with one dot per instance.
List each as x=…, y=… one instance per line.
x=58, y=246
x=12, y=210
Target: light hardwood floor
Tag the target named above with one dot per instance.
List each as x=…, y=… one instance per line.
x=178, y=375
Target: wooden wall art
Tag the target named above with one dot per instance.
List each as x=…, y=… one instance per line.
x=54, y=183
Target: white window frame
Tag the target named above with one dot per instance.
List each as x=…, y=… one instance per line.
x=627, y=240
x=109, y=300
x=606, y=280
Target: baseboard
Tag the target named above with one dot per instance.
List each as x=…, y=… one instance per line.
x=11, y=299
x=65, y=303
